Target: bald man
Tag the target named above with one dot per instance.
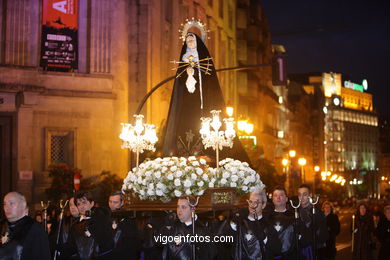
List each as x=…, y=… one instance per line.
x=21, y=236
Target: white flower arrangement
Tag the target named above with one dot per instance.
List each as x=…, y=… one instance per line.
x=236, y=174
x=171, y=177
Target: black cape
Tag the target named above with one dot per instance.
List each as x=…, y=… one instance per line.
x=27, y=240
x=182, y=136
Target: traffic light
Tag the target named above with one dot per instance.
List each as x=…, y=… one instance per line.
x=279, y=75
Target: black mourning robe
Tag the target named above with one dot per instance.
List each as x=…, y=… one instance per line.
x=307, y=227
x=26, y=240
x=333, y=225
x=286, y=228
x=182, y=136
x=182, y=250
x=253, y=239
x=90, y=238
x=124, y=230
x=382, y=232
x=363, y=238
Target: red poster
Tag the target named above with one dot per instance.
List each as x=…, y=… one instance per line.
x=59, y=34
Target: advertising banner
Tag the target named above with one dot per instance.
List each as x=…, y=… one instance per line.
x=59, y=35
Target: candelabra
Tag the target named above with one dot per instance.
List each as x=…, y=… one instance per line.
x=212, y=137
x=139, y=137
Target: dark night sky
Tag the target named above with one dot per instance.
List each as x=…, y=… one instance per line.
x=343, y=36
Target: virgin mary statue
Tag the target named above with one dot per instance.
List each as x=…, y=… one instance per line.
x=196, y=92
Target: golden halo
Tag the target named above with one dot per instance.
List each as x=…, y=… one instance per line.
x=194, y=23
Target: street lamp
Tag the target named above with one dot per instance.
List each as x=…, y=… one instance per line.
x=229, y=111
x=292, y=153
x=316, y=171
x=302, y=163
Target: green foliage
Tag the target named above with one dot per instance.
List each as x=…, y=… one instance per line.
x=62, y=182
x=61, y=187
x=102, y=186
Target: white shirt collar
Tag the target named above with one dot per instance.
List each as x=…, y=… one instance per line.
x=188, y=223
x=82, y=217
x=251, y=218
x=281, y=211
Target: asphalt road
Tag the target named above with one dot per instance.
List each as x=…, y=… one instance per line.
x=343, y=240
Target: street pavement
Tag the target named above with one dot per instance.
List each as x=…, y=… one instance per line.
x=343, y=240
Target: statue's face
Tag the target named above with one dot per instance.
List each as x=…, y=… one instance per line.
x=191, y=42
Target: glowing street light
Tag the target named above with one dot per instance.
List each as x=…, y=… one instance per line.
x=302, y=163
x=229, y=111
x=292, y=153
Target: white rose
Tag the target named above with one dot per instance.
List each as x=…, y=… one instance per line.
x=234, y=178
x=178, y=174
x=233, y=184
x=200, y=193
x=151, y=186
x=142, y=192
x=170, y=176
x=157, y=175
x=223, y=181
x=211, y=185
x=200, y=183
x=164, y=169
x=150, y=192
x=195, y=163
x=177, y=182
x=165, y=163
x=202, y=161
x=177, y=193
x=194, y=176
x=225, y=175
x=192, y=158
x=244, y=188
x=187, y=183
x=160, y=186
x=188, y=192
x=174, y=168
x=183, y=163
x=148, y=173
x=246, y=181
x=139, y=180
x=205, y=177
x=159, y=192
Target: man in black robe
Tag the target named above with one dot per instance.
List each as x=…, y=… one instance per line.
x=254, y=238
x=21, y=236
x=124, y=229
x=308, y=248
x=282, y=220
x=181, y=248
x=91, y=236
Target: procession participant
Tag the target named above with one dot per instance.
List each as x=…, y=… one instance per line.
x=124, y=228
x=333, y=224
x=184, y=242
x=91, y=235
x=382, y=232
x=308, y=227
x=21, y=236
x=282, y=220
x=254, y=238
x=363, y=234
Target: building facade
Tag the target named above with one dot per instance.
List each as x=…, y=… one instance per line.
x=124, y=49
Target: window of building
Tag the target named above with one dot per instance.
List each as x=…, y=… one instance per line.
x=60, y=146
